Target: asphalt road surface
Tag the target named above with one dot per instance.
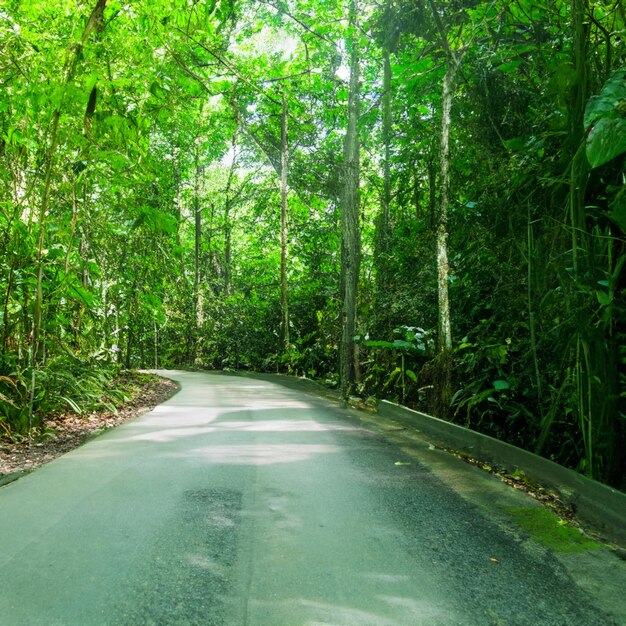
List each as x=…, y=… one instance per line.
x=242, y=501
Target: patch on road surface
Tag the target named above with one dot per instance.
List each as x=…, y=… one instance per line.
x=188, y=575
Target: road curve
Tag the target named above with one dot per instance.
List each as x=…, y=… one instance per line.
x=240, y=501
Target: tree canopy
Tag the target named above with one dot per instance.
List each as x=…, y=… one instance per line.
x=417, y=199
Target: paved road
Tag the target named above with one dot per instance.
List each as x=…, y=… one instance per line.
x=240, y=501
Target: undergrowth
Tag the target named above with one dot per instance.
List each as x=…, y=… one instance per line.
x=28, y=398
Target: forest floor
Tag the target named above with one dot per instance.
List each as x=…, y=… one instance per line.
x=66, y=431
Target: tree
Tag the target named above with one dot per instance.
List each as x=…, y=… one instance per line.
x=255, y=184
x=350, y=233
x=284, y=177
x=453, y=62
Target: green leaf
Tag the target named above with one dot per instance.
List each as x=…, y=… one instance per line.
x=393, y=376
x=371, y=343
x=517, y=143
x=219, y=86
x=605, y=104
x=403, y=345
x=73, y=405
x=411, y=374
x=606, y=141
x=605, y=121
x=500, y=385
x=82, y=295
x=155, y=88
x=7, y=400
x=597, y=108
x=510, y=67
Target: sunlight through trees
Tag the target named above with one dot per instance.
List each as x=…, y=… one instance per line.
x=417, y=200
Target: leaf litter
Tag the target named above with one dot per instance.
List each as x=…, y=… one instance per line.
x=65, y=431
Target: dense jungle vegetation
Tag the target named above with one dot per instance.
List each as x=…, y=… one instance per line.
x=415, y=199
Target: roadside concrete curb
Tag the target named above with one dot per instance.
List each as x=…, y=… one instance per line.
x=602, y=507
x=299, y=383
x=6, y=479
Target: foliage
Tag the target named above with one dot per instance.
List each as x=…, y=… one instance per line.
x=605, y=121
x=406, y=356
x=65, y=384
x=140, y=151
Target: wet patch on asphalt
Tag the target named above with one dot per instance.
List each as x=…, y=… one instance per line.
x=188, y=575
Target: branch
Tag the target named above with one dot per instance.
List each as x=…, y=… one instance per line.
x=229, y=67
x=183, y=66
x=94, y=21
x=299, y=22
x=442, y=31
x=262, y=146
x=275, y=80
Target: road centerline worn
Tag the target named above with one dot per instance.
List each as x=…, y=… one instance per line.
x=239, y=501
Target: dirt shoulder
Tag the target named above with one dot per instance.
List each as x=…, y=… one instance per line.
x=66, y=431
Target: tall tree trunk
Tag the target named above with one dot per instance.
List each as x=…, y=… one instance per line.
x=43, y=213
x=284, y=174
x=588, y=405
x=156, y=344
x=432, y=195
x=228, y=202
x=443, y=267
x=227, y=247
x=532, y=322
x=578, y=100
x=36, y=352
x=443, y=369
x=386, y=203
x=95, y=21
x=383, y=223
x=350, y=234
x=197, y=292
x=129, y=340
x=197, y=232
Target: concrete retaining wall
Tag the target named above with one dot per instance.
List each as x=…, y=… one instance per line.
x=602, y=507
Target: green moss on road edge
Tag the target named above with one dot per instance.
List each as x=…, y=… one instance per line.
x=552, y=531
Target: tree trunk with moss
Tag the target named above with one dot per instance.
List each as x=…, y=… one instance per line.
x=284, y=177
x=350, y=234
